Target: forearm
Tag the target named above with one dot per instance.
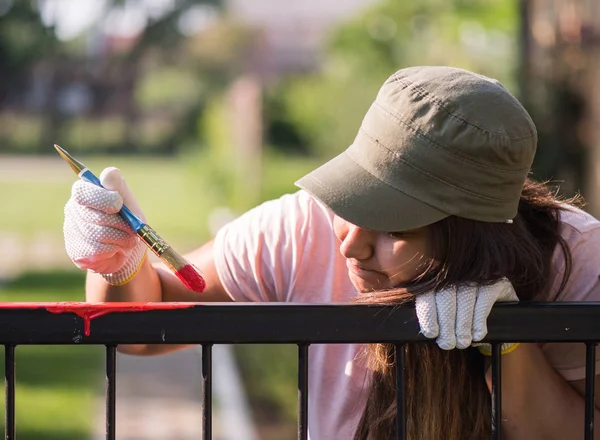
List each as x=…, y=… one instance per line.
x=145, y=286
x=537, y=403
x=154, y=283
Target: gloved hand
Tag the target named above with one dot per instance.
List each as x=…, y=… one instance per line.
x=96, y=237
x=457, y=316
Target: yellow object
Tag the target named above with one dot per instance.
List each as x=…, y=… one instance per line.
x=135, y=272
x=486, y=350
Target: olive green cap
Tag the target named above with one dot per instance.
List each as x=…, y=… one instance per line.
x=437, y=141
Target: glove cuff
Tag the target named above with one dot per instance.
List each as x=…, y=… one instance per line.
x=130, y=268
x=505, y=348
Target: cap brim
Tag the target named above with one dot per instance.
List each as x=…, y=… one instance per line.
x=357, y=196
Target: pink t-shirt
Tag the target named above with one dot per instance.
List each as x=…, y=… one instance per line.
x=285, y=250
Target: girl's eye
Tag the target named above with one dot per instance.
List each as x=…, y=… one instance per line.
x=404, y=234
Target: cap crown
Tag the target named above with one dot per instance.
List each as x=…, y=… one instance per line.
x=456, y=140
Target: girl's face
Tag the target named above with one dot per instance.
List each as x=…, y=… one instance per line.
x=381, y=260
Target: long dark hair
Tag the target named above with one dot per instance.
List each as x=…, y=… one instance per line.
x=446, y=394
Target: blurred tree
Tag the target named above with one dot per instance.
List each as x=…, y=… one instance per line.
x=101, y=80
x=162, y=39
x=328, y=106
x=281, y=132
x=24, y=41
x=217, y=57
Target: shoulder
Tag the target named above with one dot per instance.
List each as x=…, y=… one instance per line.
x=581, y=233
x=576, y=223
x=288, y=217
x=270, y=253
x=302, y=203
x=293, y=211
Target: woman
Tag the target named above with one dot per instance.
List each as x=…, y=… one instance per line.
x=440, y=162
x=430, y=200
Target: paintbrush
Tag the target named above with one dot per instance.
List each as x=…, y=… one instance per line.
x=185, y=271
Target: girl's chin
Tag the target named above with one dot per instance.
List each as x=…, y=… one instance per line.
x=364, y=286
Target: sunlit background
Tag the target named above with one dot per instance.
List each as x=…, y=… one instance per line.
x=210, y=107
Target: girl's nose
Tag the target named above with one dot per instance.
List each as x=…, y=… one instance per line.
x=357, y=243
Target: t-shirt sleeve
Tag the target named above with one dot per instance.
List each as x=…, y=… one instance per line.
x=583, y=285
x=255, y=254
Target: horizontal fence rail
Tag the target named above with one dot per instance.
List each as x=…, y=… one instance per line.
x=111, y=324
x=217, y=323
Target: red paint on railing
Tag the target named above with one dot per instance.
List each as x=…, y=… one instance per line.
x=89, y=311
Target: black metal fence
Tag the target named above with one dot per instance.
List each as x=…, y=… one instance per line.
x=208, y=324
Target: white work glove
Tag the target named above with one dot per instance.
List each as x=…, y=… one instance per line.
x=96, y=237
x=457, y=316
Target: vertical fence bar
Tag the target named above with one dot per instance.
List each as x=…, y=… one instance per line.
x=111, y=392
x=496, y=391
x=207, y=391
x=302, y=391
x=400, y=391
x=9, y=392
x=590, y=376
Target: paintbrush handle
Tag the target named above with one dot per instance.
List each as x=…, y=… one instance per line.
x=143, y=230
x=153, y=240
x=133, y=220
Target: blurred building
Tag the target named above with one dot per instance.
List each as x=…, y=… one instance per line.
x=294, y=32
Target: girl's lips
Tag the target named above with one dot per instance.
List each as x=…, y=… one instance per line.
x=366, y=280
x=357, y=269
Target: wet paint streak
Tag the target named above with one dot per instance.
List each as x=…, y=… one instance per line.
x=88, y=311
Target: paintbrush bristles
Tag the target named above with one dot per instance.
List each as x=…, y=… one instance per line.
x=173, y=259
x=186, y=272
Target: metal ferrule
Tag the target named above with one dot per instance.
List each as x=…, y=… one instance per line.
x=153, y=240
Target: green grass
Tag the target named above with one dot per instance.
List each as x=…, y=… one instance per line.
x=160, y=185
x=176, y=194
x=57, y=385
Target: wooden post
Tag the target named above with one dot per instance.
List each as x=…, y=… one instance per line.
x=245, y=112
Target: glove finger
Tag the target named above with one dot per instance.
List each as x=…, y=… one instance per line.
x=86, y=254
x=446, y=308
x=80, y=224
x=106, y=235
x=465, y=306
x=108, y=260
x=427, y=314
x=506, y=291
x=92, y=216
x=111, y=178
x=92, y=196
x=486, y=297
x=92, y=237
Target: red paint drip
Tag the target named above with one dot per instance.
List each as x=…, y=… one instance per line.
x=88, y=311
x=192, y=279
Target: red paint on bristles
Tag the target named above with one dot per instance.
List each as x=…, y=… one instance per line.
x=192, y=279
